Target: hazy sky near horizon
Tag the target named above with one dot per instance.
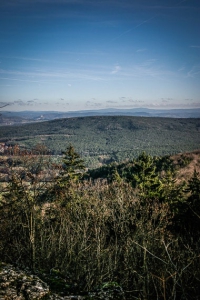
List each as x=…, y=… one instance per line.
x=91, y=54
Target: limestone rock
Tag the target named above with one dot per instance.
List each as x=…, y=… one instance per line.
x=16, y=284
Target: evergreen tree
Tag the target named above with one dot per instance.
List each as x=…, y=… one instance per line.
x=194, y=187
x=73, y=164
x=73, y=167
x=145, y=177
x=115, y=175
x=194, y=198
x=187, y=213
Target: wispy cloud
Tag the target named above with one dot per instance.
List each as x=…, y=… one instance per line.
x=26, y=58
x=4, y=104
x=141, y=50
x=92, y=104
x=110, y=101
x=117, y=68
x=20, y=102
x=194, y=71
x=145, y=21
x=148, y=62
x=135, y=27
x=181, y=69
x=195, y=46
x=148, y=68
x=46, y=75
x=83, y=53
x=166, y=100
x=17, y=79
x=130, y=100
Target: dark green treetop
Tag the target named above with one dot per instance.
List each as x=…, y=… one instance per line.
x=145, y=177
x=73, y=166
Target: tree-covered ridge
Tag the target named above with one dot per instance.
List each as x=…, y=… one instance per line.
x=181, y=165
x=134, y=225
x=102, y=140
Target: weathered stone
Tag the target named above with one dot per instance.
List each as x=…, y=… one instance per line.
x=16, y=284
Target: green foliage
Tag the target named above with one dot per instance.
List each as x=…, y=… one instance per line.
x=73, y=165
x=107, y=285
x=145, y=177
x=103, y=140
x=194, y=197
x=184, y=160
x=70, y=172
x=165, y=163
x=131, y=229
x=115, y=177
x=194, y=188
x=189, y=212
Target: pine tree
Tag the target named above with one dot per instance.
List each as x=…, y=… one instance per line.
x=194, y=198
x=187, y=214
x=73, y=164
x=115, y=177
x=145, y=177
x=194, y=186
x=73, y=167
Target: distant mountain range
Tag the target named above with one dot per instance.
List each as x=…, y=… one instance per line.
x=22, y=117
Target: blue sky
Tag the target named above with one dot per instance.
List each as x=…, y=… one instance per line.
x=92, y=54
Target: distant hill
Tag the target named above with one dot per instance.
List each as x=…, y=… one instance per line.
x=12, y=118
x=103, y=139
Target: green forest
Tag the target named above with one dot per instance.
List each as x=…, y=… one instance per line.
x=132, y=226
x=104, y=139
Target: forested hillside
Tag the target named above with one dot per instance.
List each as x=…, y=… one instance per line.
x=102, y=140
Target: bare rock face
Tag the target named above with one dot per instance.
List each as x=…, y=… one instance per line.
x=16, y=284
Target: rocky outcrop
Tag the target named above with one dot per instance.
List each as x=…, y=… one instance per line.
x=16, y=284
x=19, y=285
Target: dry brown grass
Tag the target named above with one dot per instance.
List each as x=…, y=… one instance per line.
x=184, y=173
x=100, y=232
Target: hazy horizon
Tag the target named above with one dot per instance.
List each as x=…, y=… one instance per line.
x=64, y=55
